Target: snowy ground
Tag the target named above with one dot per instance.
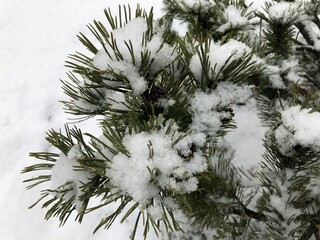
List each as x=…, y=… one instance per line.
x=35, y=38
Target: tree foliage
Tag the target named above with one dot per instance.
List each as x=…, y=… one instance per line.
x=165, y=101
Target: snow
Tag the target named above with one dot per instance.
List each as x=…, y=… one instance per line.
x=218, y=56
x=203, y=105
x=291, y=68
x=313, y=33
x=115, y=100
x=280, y=203
x=198, y=5
x=63, y=172
x=161, y=54
x=284, y=11
x=274, y=76
x=299, y=127
x=257, y=4
x=248, y=135
x=234, y=18
x=154, y=163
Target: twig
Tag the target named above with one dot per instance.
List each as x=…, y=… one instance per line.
x=311, y=230
x=317, y=20
x=304, y=33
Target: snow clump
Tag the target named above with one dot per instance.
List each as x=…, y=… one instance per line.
x=218, y=56
x=234, y=18
x=284, y=11
x=197, y=5
x=161, y=54
x=299, y=127
x=289, y=70
x=210, y=109
x=157, y=161
x=65, y=181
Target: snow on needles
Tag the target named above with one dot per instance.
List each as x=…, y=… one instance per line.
x=234, y=18
x=299, y=127
x=197, y=5
x=218, y=56
x=66, y=181
x=284, y=11
x=161, y=54
x=156, y=162
x=210, y=109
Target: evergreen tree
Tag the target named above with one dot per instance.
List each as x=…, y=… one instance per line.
x=165, y=103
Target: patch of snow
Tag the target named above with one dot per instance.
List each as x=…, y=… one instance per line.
x=203, y=105
x=313, y=32
x=218, y=56
x=115, y=100
x=161, y=54
x=235, y=18
x=299, y=127
x=291, y=68
x=274, y=76
x=284, y=11
x=248, y=135
x=65, y=172
x=154, y=163
x=197, y=5
x=257, y=5
x=282, y=205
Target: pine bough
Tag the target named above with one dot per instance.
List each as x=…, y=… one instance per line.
x=165, y=102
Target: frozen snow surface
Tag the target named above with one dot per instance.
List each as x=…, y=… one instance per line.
x=35, y=39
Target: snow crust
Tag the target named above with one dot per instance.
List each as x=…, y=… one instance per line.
x=299, y=127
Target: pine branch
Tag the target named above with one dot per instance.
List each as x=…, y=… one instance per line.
x=313, y=229
x=145, y=123
x=304, y=33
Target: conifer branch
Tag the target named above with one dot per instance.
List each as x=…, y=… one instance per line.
x=166, y=102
